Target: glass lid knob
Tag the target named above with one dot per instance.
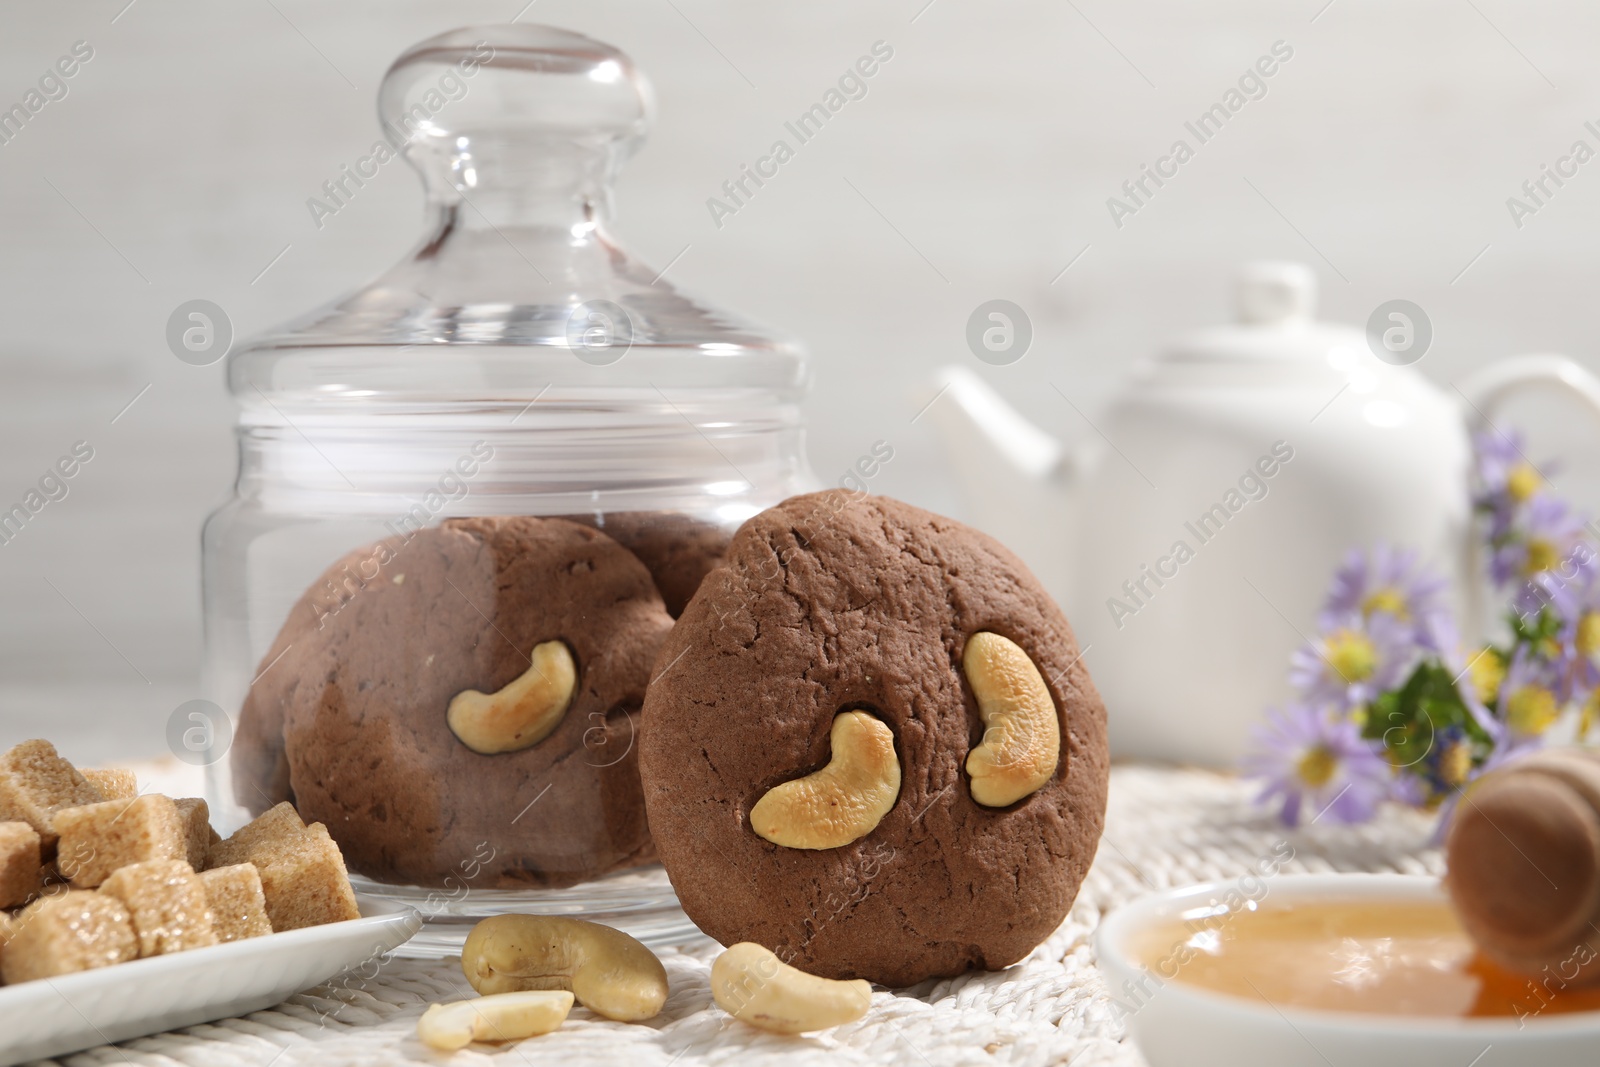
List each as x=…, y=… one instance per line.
x=517, y=117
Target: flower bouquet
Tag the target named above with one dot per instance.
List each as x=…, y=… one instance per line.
x=1390, y=706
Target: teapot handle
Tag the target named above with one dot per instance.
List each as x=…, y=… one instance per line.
x=1484, y=391
x=1487, y=389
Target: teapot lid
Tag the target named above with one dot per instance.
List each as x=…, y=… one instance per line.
x=517, y=286
x=1274, y=307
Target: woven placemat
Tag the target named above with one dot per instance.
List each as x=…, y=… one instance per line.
x=1164, y=828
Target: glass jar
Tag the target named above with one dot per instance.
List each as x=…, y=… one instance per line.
x=470, y=420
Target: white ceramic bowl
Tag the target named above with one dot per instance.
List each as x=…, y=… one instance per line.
x=1178, y=1025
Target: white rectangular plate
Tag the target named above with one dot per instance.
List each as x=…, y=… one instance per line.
x=49, y=1017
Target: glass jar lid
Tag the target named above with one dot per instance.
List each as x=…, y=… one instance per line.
x=517, y=290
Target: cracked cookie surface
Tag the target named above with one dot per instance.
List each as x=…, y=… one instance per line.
x=679, y=550
x=833, y=602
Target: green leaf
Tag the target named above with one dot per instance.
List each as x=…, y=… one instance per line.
x=1542, y=627
x=1408, y=719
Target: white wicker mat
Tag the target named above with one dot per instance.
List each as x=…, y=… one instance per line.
x=1165, y=828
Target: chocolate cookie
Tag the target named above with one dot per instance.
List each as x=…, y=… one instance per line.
x=679, y=550
x=260, y=768
x=361, y=700
x=834, y=650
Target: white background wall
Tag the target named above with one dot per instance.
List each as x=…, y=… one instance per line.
x=180, y=163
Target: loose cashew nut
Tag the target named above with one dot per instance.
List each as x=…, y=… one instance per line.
x=502, y=1017
x=755, y=986
x=1022, y=735
x=843, y=801
x=522, y=713
x=609, y=972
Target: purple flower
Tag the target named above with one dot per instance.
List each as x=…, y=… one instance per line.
x=1577, y=604
x=1478, y=678
x=1549, y=539
x=1505, y=479
x=1530, y=697
x=1561, y=589
x=1354, y=660
x=1392, y=582
x=1451, y=759
x=1408, y=789
x=1311, y=757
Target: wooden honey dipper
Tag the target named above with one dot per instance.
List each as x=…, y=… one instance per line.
x=1523, y=854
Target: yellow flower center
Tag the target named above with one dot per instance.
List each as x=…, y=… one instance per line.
x=1315, y=768
x=1589, y=634
x=1487, y=672
x=1522, y=482
x=1591, y=711
x=1455, y=763
x=1351, y=654
x=1387, y=599
x=1542, y=556
x=1531, y=710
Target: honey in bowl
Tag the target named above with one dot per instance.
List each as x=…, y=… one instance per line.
x=1401, y=958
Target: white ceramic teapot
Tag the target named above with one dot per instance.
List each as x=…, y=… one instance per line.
x=1193, y=539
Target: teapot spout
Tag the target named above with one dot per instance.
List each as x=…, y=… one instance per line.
x=1016, y=478
x=972, y=415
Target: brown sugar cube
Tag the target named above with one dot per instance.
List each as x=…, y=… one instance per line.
x=167, y=904
x=114, y=783
x=274, y=825
x=238, y=907
x=8, y=927
x=197, y=833
x=76, y=931
x=304, y=881
x=51, y=881
x=35, y=783
x=303, y=876
x=96, y=839
x=19, y=863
